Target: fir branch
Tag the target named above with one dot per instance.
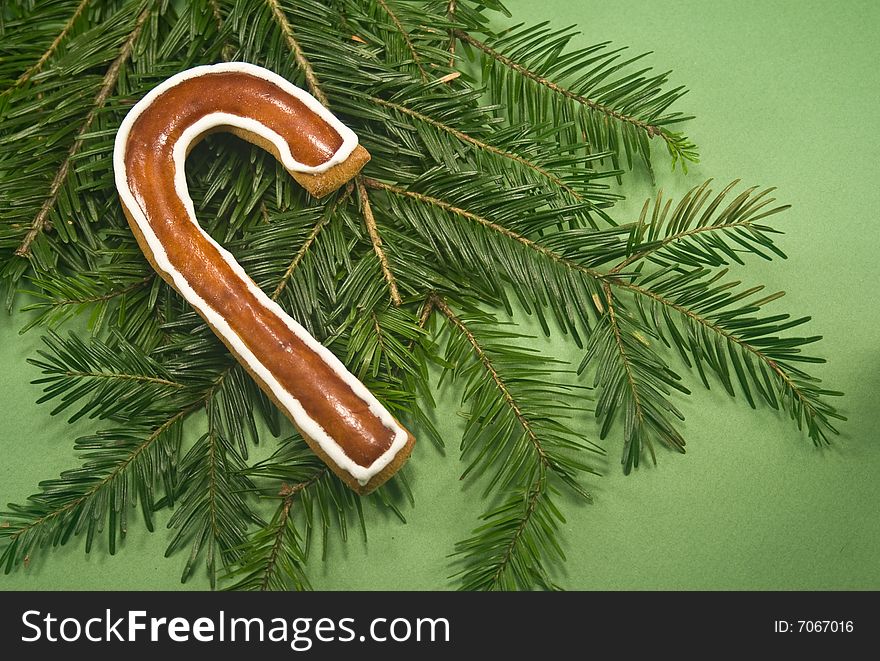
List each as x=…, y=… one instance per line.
x=438, y=302
x=479, y=257
x=807, y=408
x=523, y=413
x=212, y=512
x=105, y=295
x=650, y=129
x=514, y=543
x=116, y=472
x=376, y=240
x=307, y=244
x=61, y=298
x=376, y=344
x=516, y=421
x=633, y=378
x=232, y=392
x=806, y=404
x=403, y=33
x=691, y=235
x=119, y=380
x=634, y=103
x=300, y=254
x=298, y=53
x=38, y=65
x=113, y=293
x=639, y=416
x=108, y=84
x=507, y=555
x=485, y=222
x=273, y=556
x=282, y=522
x=674, y=238
x=482, y=145
x=69, y=504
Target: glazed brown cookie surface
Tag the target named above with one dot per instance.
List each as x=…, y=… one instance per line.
x=340, y=419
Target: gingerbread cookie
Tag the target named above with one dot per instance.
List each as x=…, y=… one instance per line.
x=339, y=417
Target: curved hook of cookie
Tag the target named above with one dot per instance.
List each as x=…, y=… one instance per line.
x=341, y=420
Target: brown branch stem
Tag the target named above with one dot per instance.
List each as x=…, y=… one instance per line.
x=373, y=230
x=298, y=54
x=450, y=14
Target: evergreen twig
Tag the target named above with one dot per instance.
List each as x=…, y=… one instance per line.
x=479, y=144
x=376, y=240
x=298, y=53
x=441, y=305
x=403, y=33
x=50, y=51
x=650, y=129
x=42, y=217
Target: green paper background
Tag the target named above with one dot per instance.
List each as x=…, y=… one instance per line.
x=785, y=94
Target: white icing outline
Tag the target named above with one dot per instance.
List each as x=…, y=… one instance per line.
x=307, y=425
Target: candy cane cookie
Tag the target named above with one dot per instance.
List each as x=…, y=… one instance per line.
x=338, y=416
